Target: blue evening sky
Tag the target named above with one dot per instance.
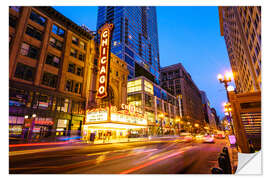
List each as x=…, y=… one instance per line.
x=190, y=35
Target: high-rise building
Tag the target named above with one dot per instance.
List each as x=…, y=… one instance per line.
x=51, y=60
x=134, y=38
x=241, y=28
x=176, y=80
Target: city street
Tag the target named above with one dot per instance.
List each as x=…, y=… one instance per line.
x=159, y=156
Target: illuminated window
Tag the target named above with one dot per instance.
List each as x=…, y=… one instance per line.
x=134, y=86
x=135, y=99
x=148, y=87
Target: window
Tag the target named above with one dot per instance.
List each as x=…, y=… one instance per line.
x=69, y=85
x=81, y=56
x=58, y=31
x=73, y=86
x=28, y=50
x=56, y=43
x=12, y=21
x=75, y=40
x=134, y=86
x=148, y=100
x=82, y=45
x=79, y=71
x=71, y=68
x=53, y=60
x=135, y=99
x=33, y=32
x=73, y=52
x=24, y=72
x=77, y=88
x=37, y=18
x=49, y=80
x=148, y=87
x=116, y=73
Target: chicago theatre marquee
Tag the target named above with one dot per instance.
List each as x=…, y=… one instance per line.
x=111, y=116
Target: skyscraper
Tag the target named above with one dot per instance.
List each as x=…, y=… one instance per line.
x=241, y=28
x=134, y=38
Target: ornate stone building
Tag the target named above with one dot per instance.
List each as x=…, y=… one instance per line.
x=50, y=63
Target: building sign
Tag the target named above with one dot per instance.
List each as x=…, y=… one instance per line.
x=95, y=116
x=104, y=63
x=131, y=108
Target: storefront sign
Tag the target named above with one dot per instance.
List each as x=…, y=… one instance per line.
x=132, y=109
x=104, y=60
x=96, y=116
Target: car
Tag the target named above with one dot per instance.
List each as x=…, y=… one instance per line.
x=208, y=139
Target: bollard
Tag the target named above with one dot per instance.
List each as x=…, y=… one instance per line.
x=217, y=171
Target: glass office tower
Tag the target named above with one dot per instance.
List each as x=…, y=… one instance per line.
x=134, y=38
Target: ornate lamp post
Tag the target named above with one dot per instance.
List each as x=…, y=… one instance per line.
x=225, y=80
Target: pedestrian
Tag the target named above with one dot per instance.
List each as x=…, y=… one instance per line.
x=251, y=147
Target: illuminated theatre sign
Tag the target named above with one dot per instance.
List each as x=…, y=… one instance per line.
x=104, y=60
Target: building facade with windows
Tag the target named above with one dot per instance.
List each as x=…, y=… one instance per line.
x=176, y=80
x=50, y=63
x=241, y=28
x=159, y=107
x=134, y=38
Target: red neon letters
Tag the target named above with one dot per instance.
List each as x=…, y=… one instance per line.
x=104, y=57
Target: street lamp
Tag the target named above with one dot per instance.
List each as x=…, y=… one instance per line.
x=225, y=80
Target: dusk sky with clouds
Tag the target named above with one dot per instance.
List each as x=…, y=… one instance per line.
x=189, y=35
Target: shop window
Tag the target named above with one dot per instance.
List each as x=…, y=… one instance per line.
x=29, y=50
x=82, y=56
x=49, y=79
x=37, y=18
x=58, y=31
x=53, y=60
x=82, y=45
x=62, y=104
x=56, y=43
x=33, y=32
x=18, y=97
x=12, y=21
x=71, y=68
x=44, y=101
x=73, y=53
x=25, y=72
x=75, y=40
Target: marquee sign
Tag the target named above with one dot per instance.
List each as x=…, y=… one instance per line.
x=104, y=60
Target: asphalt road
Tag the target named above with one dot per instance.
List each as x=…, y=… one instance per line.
x=165, y=156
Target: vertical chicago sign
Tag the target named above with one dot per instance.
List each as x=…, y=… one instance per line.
x=104, y=60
